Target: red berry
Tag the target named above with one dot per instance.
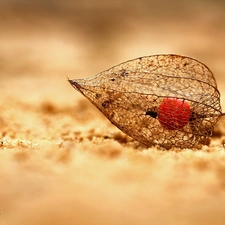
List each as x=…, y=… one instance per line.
x=174, y=113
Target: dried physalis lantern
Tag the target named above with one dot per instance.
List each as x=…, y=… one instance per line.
x=164, y=100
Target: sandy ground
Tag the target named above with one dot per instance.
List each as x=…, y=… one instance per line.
x=62, y=161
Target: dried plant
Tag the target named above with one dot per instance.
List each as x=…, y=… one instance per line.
x=164, y=100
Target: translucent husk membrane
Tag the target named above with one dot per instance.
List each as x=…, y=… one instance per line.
x=130, y=94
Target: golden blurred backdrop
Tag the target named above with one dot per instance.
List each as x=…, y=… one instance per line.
x=62, y=162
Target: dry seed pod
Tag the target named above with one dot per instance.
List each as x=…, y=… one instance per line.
x=164, y=100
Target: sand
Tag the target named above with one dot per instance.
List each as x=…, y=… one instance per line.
x=62, y=161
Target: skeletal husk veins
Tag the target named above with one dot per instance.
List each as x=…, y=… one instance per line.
x=164, y=100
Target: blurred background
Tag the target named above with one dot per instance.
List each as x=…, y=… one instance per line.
x=48, y=134
x=55, y=39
